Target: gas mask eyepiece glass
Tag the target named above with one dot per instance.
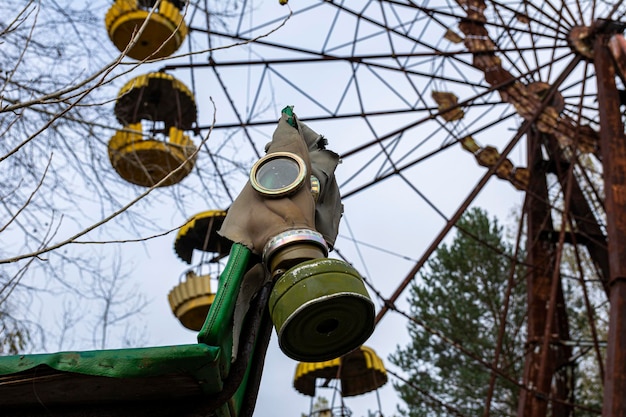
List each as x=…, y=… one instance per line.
x=278, y=174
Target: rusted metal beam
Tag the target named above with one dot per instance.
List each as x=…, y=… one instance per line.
x=613, y=149
x=541, y=257
x=553, y=353
x=582, y=213
x=563, y=368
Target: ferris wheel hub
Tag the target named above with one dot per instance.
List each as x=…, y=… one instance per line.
x=581, y=40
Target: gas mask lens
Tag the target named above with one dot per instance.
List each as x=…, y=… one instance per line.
x=278, y=174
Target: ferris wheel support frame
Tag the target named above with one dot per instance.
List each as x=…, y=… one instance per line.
x=613, y=148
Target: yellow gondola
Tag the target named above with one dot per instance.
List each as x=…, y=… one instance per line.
x=156, y=96
x=163, y=33
x=147, y=161
x=200, y=233
x=359, y=372
x=191, y=299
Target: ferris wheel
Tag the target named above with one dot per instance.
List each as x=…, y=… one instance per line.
x=434, y=107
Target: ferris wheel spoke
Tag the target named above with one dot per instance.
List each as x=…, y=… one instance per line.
x=538, y=16
x=509, y=33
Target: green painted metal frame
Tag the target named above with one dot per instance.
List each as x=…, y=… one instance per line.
x=208, y=362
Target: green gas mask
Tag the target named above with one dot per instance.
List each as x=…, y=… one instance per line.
x=288, y=214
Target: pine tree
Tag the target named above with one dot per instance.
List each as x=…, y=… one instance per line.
x=460, y=297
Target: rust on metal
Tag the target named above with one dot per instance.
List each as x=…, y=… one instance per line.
x=452, y=36
x=613, y=148
x=581, y=41
x=541, y=255
x=617, y=46
x=474, y=8
x=527, y=99
x=489, y=156
x=580, y=211
x=521, y=17
x=520, y=178
x=447, y=104
x=469, y=144
x=546, y=376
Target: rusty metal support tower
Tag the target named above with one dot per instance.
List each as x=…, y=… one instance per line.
x=613, y=151
x=547, y=381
